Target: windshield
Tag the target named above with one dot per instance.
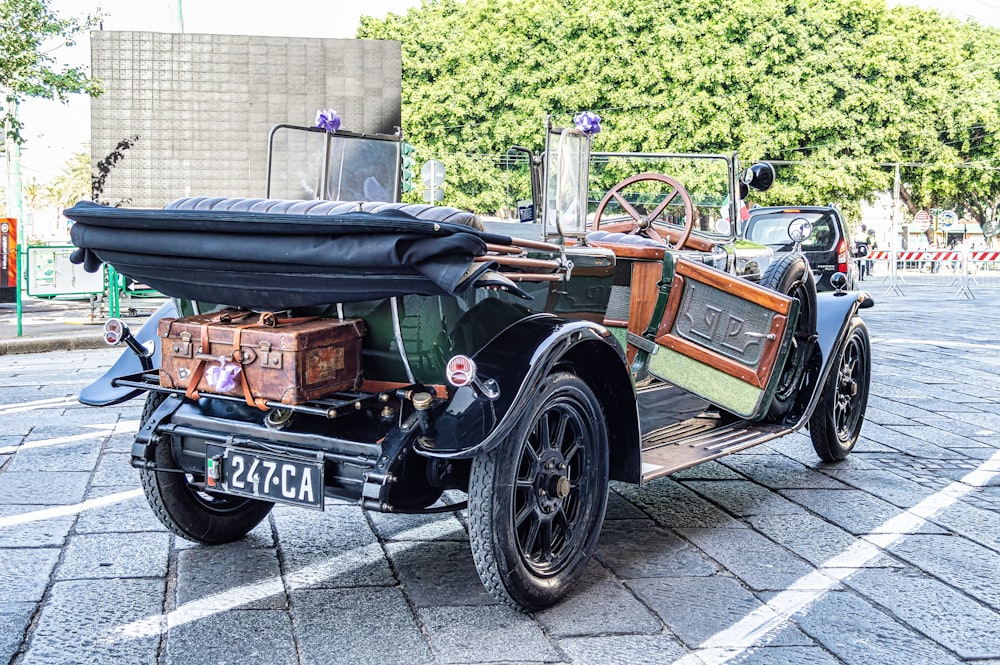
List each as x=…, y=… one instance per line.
x=705, y=177
x=771, y=229
x=566, y=159
x=309, y=163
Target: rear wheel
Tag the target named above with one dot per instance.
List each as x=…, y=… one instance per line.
x=836, y=424
x=188, y=511
x=536, y=502
x=792, y=276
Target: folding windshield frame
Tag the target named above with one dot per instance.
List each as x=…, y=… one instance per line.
x=566, y=179
x=322, y=190
x=732, y=174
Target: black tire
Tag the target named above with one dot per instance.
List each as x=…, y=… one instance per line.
x=188, y=512
x=792, y=276
x=533, y=525
x=836, y=423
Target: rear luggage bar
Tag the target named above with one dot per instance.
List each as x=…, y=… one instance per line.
x=330, y=407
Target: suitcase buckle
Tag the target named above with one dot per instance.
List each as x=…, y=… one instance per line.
x=181, y=348
x=268, y=358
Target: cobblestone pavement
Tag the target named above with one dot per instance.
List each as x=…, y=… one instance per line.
x=768, y=556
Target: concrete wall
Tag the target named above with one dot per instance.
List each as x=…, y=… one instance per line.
x=202, y=105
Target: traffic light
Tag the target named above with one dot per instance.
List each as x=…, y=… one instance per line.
x=407, y=151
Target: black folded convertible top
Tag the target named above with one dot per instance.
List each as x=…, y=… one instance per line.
x=279, y=260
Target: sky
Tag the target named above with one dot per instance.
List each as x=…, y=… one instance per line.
x=55, y=131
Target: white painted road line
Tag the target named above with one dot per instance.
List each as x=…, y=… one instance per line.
x=756, y=628
x=102, y=431
x=224, y=601
x=63, y=511
x=52, y=403
x=937, y=342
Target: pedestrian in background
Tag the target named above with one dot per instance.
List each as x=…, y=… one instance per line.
x=861, y=251
x=872, y=246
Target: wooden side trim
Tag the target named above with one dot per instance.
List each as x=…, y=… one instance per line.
x=735, y=285
x=369, y=386
x=693, y=242
x=641, y=252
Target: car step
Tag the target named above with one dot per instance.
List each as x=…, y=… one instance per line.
x=696, y=440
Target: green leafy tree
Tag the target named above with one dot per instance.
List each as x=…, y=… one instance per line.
x=962, y=146
x=73, y=183
x=29, y=32
x=34, y=195
x=837, y=88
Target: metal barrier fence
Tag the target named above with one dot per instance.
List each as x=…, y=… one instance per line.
x=967, y=269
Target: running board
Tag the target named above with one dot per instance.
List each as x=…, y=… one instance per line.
x=696, y=440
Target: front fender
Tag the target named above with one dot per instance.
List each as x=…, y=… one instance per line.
x=101, y=392
x=518, y=359
x=834, y=311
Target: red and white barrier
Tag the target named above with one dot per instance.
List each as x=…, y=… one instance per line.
x=926, y=255
x=934, y=255
x=963, y=262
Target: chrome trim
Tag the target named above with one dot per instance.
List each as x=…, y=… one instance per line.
x=397, y=331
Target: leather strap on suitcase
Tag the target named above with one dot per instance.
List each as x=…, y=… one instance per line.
x=266, y=319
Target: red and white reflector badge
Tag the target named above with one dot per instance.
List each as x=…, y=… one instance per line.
x=461, y=371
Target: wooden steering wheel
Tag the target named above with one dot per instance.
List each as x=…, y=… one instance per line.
x=643, y=224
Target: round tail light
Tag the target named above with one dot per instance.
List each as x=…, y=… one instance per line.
x=461, y=371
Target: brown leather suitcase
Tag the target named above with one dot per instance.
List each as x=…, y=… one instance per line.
x=260, y=357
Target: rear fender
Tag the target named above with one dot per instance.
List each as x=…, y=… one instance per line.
x=518, y=359
x=101, y=392
x=834, y=311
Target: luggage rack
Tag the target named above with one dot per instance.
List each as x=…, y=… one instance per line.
x=334, y=406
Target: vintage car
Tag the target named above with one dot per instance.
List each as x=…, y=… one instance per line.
x=323, y=342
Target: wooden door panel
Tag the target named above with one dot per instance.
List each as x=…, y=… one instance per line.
x=721, y=338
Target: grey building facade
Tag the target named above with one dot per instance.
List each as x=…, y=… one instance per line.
x=200, y=106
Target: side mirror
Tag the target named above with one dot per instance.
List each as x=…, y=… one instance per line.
x=798, y=230
x=760, y=176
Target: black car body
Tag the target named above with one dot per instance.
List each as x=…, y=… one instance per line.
x=828, y=247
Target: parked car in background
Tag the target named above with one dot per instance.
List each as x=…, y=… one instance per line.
x=828, y=247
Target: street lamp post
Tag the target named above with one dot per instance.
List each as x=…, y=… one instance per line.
x=894, y=236
x=15, y=207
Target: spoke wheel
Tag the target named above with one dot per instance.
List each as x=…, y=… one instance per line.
x=536, y=502
x=836, y=424
x=647, y=225
x=189, y=512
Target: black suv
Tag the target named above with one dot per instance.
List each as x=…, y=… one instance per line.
x=828, y=247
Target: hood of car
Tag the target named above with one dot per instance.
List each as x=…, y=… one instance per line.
x=752, y=258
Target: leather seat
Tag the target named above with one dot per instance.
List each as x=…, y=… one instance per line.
x=606, y=238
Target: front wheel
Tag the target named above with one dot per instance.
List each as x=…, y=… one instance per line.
x=536, y=502
x=187, y=510
x=836, y=424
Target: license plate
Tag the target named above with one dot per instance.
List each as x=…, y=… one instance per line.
x=278, y=478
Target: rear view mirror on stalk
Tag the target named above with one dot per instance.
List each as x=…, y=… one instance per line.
x=760, y=177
